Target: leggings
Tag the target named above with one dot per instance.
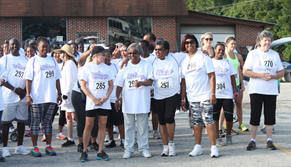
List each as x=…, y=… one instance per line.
x=62, y=118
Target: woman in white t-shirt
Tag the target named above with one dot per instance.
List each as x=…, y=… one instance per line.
x=135, y=82
x=226, y=92
x=264, y=68
x=97, y=83
x=198, y=80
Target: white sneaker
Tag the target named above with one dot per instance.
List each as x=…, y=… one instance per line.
x=127, y=155
x=178, y=112
x=106, y=139
x=214, y=152
x=165, y=151
x=196, y=151
x=5, y=152
x=172, y=150
x=61, y=136
x=21, y=150
x=146, y=154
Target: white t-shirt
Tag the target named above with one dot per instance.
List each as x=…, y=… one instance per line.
x=135, y=100
x=224, y=69
x=116, y=61
x=97, y=78
x=43, y=72
x=195, y=71
x=1, y=96
x=114, y=70
x=167, y=76
x=69, y=77
x=14, y=67
x=261, y=62
x=76, y=88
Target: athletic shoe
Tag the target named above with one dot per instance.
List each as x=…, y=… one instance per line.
x=114, y=129
x=221, y=133
x=50, y=151
x=2, y=159
x=5, y=152
x=80, y=147
x=21, y=150
x=94, y=147
x=156, y=135
x=84, y=157
x=196, y=151
x=228, y=139
x=35, y=152
x=106, y=139
x=165, y=151
x=27, y=133
x=121, y=143
x=270, y=145
x=61, y=136
x=251, y=146
x=146, y=154
x=214, y=152
x=235, y=119
x=219, y=142
x=43, y=138
x=102, y=156
x=68, y=143
x=172, y=149
x=111, y=144
x=242, y=127
x=127, y=155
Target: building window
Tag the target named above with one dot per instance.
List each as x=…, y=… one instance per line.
x=133, y=29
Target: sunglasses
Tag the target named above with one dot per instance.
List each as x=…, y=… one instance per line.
x=159, y=50
x=189, y=42
x=132, y=53
x=122, y=49
x=210, y=39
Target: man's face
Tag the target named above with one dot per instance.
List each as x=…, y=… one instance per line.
x=14, y=46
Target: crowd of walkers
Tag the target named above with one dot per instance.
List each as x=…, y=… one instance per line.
x=100, y=88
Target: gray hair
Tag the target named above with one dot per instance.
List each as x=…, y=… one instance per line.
x=136, y=47
x=264, y=34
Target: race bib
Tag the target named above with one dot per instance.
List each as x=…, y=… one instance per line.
x=268, y=63
x=130, y=84
x=220, y=86
x=49, y=74
x=101, y=85
x=164, y=83
x=18, y=73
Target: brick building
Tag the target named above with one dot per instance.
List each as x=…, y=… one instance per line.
x=167, y=19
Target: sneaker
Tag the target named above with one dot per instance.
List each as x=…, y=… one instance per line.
x=5, y=152
x=251, y=146
x=172, y=150
x=270, y=145
x=80, y=147
x=178, y=112
x=146, y=154
x=156, y=135
x=27, y=134
x=196, y=151
x=111, y=144
x=68, y=143
x=94, y=147
x=106, y=139
x=221, y=133
x=102, y=156
x=21, y=150
x=43, y=138
x=50, y=151
x=219, y=142
x=165, y=150
x=61, y=136
x=2, y=159
x=228, y=139
x=242, y=127
x=214, y=152
x=235, y=119
x=35, y=152
x=127, y=155
x=84, y=157
x=121, y=143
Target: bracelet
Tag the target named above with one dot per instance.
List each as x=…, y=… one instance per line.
x=235, y=94
x=212, y=94
x=182, y=101
x=14, y=89
x=117, y=99
x=59, y=94
x=28, y=96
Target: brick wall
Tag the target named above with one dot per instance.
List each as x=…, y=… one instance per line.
x=87, y=25
x=10, y=28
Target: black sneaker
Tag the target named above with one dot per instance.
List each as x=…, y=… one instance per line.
x=111, y=144
x=221, y=134
x=121, y=144
x=270, y=145
x=80, y=147
x=251, y=146
x=84, y=157
x=68, y=143
x=94, y=147
x=102, y=156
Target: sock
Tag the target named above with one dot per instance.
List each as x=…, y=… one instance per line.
x=71, y=139
x=155, y=131
x=212, y=146
x=48, y=145
x=165, y=146
x=269, y=139
x=254, y=140
x=171, y=141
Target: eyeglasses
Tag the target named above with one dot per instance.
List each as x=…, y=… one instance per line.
x=159, y=50
x=132, y=53
x=189, y=42
x=122, y=49
x=210, y=39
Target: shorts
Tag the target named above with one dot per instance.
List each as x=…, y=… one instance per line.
x=227, y=105
x=200, y=113
x=269, y=102
x=96, y=112
x=1, y=115
x=114, y=118
x=152, y=106
x=67, y=104
x=15, y=111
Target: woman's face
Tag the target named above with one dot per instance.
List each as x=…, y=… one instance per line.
x=30, y=52
x=207, y=40
x=75, y=49
x=63, y=55
x=219, y=52
x=190, y=45
x=123, y=51
x=81, y=48
x=231, y=45
x=57, y=56
x=134, y=56
x=265, y=44
x=107, y=58
x=100, y=57
x=161, y=52
x=43, y=48
x=6, y=48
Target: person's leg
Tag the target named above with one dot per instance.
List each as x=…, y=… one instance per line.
x=69, y=117
x=21, y=117
x=142, y=132
x=5, y=133
x=269, y=114
x=228, y=114
x=216, y=116
x=9, y=114
x=101, y=130
x=20, y=133
x=129, y=129
x=239, y=107
x=171, y=104
x=48, y=115
x=159, y=106
x=80, y=113
x=62, y=121
x=256, y=110
x=88, y=128
x=207, y=115
x=196, y=121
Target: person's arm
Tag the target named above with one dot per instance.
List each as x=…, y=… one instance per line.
x=147, y=82
x=118, y=100
x=212, y=87
x=251, y=74
x=109, y=91
x=59, y=96
x=279, y=75
x=234, y=88
x=183, y=94
x=84, y=56
x=29, y=100
x=88, y=93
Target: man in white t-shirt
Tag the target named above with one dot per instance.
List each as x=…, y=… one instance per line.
x=14, y=100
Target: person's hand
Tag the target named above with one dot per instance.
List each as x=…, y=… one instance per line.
x=266, y=76
x=102, y=100
x=96, y=101
x=137, y=84
x=183, y=105
x=59, y=99
x=116, y=51
x=235, y=97
x=92, y=47
x=20, y=92
x=242, y=88
x=118, y=104
x=205, y=52
x=29, y=100
x=152, y=92
x=212, y=99
x=2, y=82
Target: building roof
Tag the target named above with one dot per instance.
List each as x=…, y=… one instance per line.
x=92, y=8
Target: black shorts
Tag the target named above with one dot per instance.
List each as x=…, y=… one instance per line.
x=269, y=102
x=96, y=112
x=114, y=118
x=227, y=105
x=152, y=106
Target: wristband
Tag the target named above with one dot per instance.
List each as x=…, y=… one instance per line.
x=183, y=101
x=212, y=94
x=116, y=99
x=27, y=95
x=235, y=94
x=14, y=89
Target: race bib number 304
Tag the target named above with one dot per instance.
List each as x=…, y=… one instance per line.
x=220, y=86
